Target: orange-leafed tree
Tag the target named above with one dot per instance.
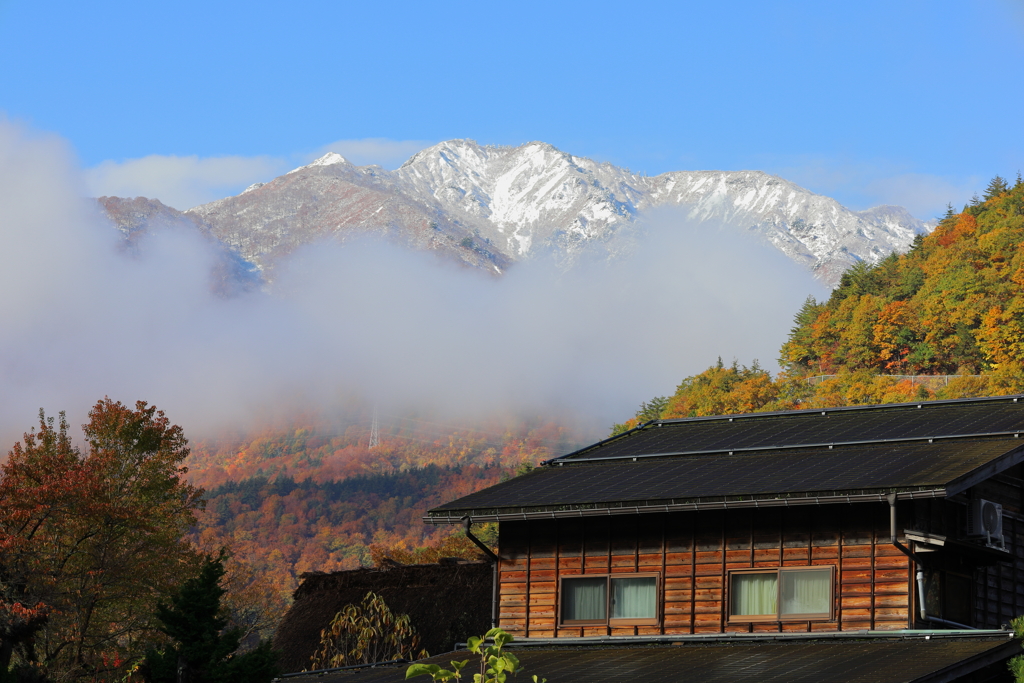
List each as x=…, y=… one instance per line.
x=721, y=390
x=31, y=497
x=92, y=538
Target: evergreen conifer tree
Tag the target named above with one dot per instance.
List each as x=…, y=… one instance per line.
x=996, y=187
x=204, y=649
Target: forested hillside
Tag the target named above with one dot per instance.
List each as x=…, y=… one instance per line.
x=316, y=498
x=284, y=527
x=944, y=320
x=952, y=305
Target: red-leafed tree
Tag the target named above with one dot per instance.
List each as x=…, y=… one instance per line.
x=91, y=539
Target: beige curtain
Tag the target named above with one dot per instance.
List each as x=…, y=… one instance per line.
x=754, y=594
x=806, y=592
x=584, y=599
x=634, y=598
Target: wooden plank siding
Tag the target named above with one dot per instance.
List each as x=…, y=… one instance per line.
x=999, y=589
x=692, y=552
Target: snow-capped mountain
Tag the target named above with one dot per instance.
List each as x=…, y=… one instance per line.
x=534, y=196
x=491, y=206
x=333, y=198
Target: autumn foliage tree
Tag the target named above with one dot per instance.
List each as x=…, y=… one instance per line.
x=91, y=539
x=951, y=310
x=951, y=305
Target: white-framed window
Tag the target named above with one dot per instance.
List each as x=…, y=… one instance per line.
x=613, y=599
x=781, y=594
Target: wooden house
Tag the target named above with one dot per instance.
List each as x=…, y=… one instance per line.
x=847, y=519
x=881, y=543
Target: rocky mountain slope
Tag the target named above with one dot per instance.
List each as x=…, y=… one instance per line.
x=491, y=206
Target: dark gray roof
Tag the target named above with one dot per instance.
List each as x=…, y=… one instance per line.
x=929, y=419
x=867, y=660
x=937, y=449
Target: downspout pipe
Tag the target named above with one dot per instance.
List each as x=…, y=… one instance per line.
x=468, y=523
x=906, y=551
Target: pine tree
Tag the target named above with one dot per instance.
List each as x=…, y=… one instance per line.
x=996, y=187
x=204, y=648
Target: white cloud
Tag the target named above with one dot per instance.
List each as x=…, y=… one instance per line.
x=381, y=151
x=365, y=319
x=862, y=185
x=924, y=195
x=181, y=182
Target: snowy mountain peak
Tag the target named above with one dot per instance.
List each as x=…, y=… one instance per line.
x=328, y=159
x=490, y=205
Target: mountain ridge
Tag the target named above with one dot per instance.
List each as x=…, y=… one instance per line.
x=491, y=206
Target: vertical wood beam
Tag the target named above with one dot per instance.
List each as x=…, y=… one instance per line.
x=782, y=545
x=529, y=576
x=750, y=528
x=810, y=545
x=558, y=571
x=609, y=526
x=638, y=522
x=721, y=597
x=841, y=523
x=664, y=560
x=874, y=546
x=693, y=573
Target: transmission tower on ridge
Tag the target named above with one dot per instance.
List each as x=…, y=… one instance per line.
x=374, y=430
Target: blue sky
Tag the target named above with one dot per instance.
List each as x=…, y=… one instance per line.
x=917, y=103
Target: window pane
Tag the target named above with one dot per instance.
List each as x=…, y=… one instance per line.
x=634, y=598
x=753, y=594
x=584, y=599
x=806, y=592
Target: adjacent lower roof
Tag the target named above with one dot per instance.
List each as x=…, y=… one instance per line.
x=874, y=660
x=933, y=449
x=455, y=598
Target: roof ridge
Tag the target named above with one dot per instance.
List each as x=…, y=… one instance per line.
x=1010, y=398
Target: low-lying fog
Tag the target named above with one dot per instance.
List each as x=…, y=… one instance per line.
x=82, y=319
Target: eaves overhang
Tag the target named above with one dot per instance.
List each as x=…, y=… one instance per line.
x=455, y=516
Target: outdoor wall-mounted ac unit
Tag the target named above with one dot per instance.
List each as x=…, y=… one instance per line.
x=985, y=519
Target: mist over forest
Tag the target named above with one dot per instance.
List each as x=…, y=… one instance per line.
x=369, y=322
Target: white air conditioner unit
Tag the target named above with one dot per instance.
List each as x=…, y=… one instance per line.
x=985, y=519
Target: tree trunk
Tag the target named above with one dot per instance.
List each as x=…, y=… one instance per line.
x=6, y=651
